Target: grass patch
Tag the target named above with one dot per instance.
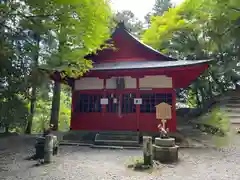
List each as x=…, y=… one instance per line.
x=215, y=122
x=137, y=164
x=217, y=118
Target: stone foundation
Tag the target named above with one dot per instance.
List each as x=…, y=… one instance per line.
x=165, y=150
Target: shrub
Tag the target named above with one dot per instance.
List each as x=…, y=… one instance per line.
x=216, y=120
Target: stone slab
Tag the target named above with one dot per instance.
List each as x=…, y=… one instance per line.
x=160, y=148
x=165, y=154
x=169, y=142
x=116, y=139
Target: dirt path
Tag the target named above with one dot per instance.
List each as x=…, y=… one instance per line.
x=83, y=163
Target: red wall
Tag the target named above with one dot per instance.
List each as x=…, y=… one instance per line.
x=145, y=122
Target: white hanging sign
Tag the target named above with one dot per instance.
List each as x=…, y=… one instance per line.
x=104, y=101
x=137, y=101
x=115, y=101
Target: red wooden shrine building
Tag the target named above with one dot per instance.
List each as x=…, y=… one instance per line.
x=125, y=84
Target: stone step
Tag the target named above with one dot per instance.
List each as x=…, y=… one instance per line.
x=117, y=143
x=100, y=136
x=234, y=96
x=115, y=147
x=233, y=101
x=129, y=133
x=232, y=110
x=235, y=122
x=117, y=139
x=231, y=105
x=234, y=116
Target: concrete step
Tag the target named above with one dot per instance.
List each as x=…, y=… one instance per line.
x=129, y=133
x=232, y=105
x=117, y=139
x=234, y=118
x=235, y=121
x=234, y=115
x=233, y=101
x=232, y=110
x=115, y=147
x=117, y=143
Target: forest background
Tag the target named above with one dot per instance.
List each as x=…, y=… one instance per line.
x=57, y=34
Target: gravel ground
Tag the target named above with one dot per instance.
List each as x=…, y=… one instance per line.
x=83, y=163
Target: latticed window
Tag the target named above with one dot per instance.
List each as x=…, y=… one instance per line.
x=88, y=103
x=128, y=105
x=149, y=101
x=112, y=103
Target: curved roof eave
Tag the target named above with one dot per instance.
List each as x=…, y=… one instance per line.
x=146, y=65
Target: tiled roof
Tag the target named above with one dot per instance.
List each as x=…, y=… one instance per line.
x=146, y=64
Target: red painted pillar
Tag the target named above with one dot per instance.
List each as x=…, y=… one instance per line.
x=138, y=105
x=104, y=95
x=174, y=118
x=73, y=109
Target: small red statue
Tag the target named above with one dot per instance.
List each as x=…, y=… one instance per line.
x=163, y=131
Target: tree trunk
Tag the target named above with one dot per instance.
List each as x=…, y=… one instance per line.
x=34, y=86
x=6, y=129
x=202, y=96
x=218, y=83
x=32, y=109
x=197, y=98
x=55, y=105
x=210, y=91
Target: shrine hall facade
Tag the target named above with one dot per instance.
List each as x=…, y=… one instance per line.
x=121, y=91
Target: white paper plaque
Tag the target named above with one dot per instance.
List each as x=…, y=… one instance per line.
x=115, y=101
x=104, y=101
x=137, y=101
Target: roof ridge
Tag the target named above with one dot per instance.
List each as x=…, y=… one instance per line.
x=122, y=26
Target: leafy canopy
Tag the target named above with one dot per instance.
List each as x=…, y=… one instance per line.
x=202, y=29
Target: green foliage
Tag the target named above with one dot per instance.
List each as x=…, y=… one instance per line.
x=80, y=27
x=43, y=112
x=217, y=118
x=137, y=164
x=55, y=35
x=14, y=112
x=42, y=115
x=201, y=29
x=65, y=110
x=159, y=8
x=192, y=102
x=133, y=24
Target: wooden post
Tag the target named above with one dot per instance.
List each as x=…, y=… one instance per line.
x=48, y=148
x=147, y=150
x=174, y=120
x=164, y=123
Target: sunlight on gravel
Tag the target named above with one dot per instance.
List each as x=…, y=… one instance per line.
x=83, y=163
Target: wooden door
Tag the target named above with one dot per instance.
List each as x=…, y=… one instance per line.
x=121, y=111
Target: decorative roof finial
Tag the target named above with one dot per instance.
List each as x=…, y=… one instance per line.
x=121, y=24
